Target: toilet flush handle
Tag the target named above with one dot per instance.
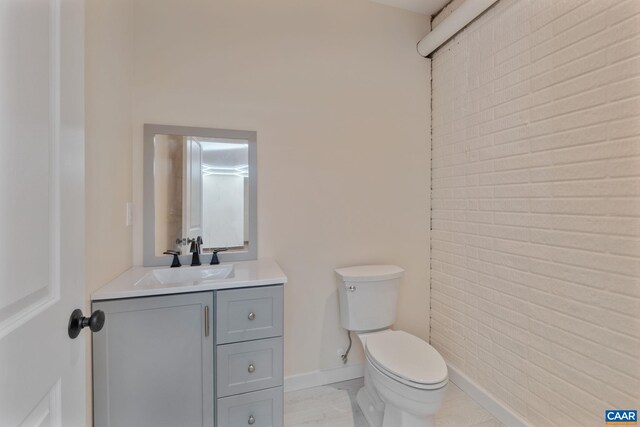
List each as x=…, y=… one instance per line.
x=351, y=288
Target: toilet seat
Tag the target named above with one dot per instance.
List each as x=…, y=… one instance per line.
x=407, y=359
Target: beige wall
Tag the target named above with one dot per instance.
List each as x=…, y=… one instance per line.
x=536, y=207
x=108, y=139
x=340, y=101
x=108, y=62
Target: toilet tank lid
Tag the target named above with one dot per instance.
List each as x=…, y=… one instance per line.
x=369, y=273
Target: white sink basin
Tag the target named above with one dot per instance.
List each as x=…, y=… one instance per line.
x=186, y=275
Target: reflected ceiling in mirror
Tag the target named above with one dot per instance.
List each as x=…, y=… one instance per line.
x=202, y=184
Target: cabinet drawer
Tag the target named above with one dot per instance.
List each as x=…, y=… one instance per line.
x=249, y=366
x=248, y=314
x=257, y=409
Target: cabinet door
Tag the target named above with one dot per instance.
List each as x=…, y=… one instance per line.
x=153, y=362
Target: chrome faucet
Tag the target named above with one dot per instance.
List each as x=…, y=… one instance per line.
x=195, y=250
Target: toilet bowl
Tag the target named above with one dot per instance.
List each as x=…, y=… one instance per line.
x=405, y=380
x=405, y=377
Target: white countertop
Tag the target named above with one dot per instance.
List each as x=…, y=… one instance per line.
x=260, y=272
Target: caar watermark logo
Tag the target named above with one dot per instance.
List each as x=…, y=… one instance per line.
x=621, y=417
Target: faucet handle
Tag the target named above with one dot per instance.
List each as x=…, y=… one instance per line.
x=214, y=256
x=176, y=259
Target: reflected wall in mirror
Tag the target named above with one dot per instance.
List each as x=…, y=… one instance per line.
x=200, y=182
x=201, y=189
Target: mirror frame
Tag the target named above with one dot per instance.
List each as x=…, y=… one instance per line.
x=149, y=212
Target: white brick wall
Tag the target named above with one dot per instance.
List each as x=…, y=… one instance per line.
x=536, y=207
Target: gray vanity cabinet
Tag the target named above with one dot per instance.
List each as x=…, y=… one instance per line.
x=205, y=359
x=153, y=362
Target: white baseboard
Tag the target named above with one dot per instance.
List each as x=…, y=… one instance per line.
x=318, y=378
x=485, y=399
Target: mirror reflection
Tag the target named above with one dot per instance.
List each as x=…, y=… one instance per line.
x=201, y=188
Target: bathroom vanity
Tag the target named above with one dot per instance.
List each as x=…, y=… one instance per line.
x=191, y=346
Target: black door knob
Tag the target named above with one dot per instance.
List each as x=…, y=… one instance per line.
x=77, y=321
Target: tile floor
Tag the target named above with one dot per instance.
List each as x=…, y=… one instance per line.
x=335, y=405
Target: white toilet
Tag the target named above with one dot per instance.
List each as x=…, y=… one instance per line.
x=405, y=378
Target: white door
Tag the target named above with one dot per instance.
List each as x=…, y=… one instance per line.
x=42, y=380
x=192, y=189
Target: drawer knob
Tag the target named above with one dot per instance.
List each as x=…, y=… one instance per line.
x=251, y=368
x=252, y=420
x=252, y=315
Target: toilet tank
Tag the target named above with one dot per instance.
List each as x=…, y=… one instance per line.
x=368, y=296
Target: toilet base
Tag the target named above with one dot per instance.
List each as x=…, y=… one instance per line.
x=371, y=405
x=371, y=414
x=391, y=417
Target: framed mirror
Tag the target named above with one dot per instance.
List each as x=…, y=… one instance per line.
x=199, y=182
